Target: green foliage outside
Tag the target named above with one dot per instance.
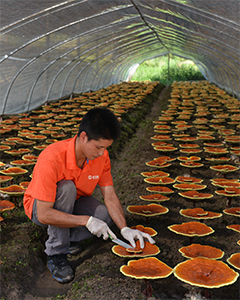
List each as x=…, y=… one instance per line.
x=158, y=69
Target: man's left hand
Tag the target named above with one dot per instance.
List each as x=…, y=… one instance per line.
x=133, y=234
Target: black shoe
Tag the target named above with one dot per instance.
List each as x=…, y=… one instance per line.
x=60, y=268
x=75, y=248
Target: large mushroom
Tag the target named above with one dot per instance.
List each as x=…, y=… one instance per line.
x=146, y=268
x=149, y=210
x=197, y=250
x=199, y=213
x=191, y=229
x=204, y=272
x=148, y=250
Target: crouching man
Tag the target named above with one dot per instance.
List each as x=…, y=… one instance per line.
x=59, y=195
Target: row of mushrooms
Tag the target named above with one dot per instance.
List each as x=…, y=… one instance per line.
x=199, y=129
x=25, y=135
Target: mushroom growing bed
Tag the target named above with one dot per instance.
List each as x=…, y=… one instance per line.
x=97, y=269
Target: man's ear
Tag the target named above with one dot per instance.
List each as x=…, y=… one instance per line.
x=83, y=136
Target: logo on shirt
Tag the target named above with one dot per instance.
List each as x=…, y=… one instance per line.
x=93, y=177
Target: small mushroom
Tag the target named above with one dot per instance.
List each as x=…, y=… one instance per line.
x=154, y=197
x=235, y=227
x=159, y=180
x=234, y=260
x=233, y=211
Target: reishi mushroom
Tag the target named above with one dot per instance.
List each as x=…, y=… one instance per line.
x=149, y=210
x=234, y=260
x=204, y=272
x=191, y=229
x=199, y=213
x=146, y=268
x=197, y=250
x=148, y=250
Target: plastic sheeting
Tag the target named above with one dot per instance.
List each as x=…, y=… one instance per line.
x=52, y=49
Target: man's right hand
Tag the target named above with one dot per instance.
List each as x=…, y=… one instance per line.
x=99, y=228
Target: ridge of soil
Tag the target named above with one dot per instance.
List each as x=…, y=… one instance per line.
x=24, y=275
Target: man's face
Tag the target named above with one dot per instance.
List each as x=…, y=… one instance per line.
x=94, y=148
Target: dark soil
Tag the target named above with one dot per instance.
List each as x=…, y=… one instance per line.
x=24, y=275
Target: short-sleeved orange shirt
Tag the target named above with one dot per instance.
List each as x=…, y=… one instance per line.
x=58, y=162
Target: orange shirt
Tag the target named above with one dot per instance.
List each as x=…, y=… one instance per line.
x=57, y=162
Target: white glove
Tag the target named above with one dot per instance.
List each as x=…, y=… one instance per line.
x=133, y=234
x=99, y=227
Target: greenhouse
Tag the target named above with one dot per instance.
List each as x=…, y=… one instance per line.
x=52, y=49
x=92, y=147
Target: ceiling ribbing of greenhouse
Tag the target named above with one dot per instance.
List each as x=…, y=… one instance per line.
x=51, y=49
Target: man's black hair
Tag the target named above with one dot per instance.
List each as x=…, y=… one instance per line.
x=100, y=123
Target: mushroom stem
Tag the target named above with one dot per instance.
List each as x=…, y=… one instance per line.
x=207, y=294
x=228, y=202
x=148, y=290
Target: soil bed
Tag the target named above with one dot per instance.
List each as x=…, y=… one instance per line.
x=97, y=275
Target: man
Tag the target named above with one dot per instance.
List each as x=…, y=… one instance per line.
x=59, y=195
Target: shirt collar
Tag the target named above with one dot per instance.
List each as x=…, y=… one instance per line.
x=71, y=155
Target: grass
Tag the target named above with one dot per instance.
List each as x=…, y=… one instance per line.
x=160, y=69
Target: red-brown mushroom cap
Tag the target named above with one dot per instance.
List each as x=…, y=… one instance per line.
x=224, y=168
x=188, y=179
x=165, y=148
x=195, y=195
x=235, y=227
x=24, y=184
x=225, y=184
x=159, y=180
x=189, y=186
x=146, y=268
x=149, y=210
x=191, y=229
x=154, y=197
x=229, y=192
x=197, y=250
x=233, y=211
x=155, y=173
x=15, y=152
x=152, y=232
x=6, y=205
x=234, y=260
x=148, y=250
x=14, y=171
x=191, y=150
x=191, y=146
x=22, y=162
x=159, y=189
x=5, y=178
x=204, y=272
x=158, y=164
x=199, y=213
x=218, y=159
x=191, y=164
x=14, y=190
x=189, y=158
